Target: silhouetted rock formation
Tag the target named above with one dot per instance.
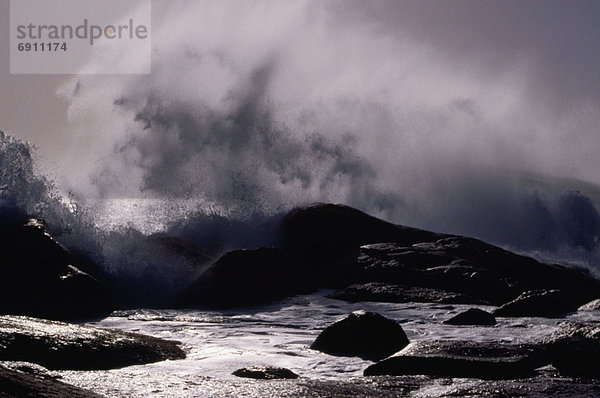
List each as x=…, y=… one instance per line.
x=472, y=316
x=40, y=277
x=265, y=373
x=362, y=334
x=58, y=345
x=328, y=245
x=18, y=384
x=459, y=359
x=539, y=303
x=386, y=293
x=243, y=278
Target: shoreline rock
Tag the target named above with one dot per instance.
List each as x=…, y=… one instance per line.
x=40, y=277
x=265, y=373
x=362, y=334
x=472, y=316
x=57, y=345
x=462, y=359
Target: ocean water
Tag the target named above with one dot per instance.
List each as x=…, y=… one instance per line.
x=219, y=342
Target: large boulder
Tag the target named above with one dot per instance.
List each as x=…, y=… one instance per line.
x=472, y=316
x=459, y=359
x=575, y=350
x=58, y=345
x=265, y=373
x=328, y=235
x=539, y=303
x=243, y=278
x=19, y=382
x=362, y=334
x=386, y=293
x=41, y=278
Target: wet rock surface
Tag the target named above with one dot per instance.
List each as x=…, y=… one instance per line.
x=538, y=387
x=58, y=345
x=472, y=316
x=265, y=373
x=40, y=277
x=593, y=305
x=460, y=359
x=539, y=303
x=19, y=383
x=386, y=293
x=362, y=334
x=575, y=349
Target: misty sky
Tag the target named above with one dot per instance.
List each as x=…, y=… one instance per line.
x=550, y=46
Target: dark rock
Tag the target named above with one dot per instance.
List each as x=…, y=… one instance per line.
x=575, y=350
x=362, y=334
x=18, y=384
x=323, y=234
x=58, y=345
x=39, y=277
x=538, y=303
x=385, y=293
x=593, y=305
x=243, y=278
x=472, y=316
x=460, y=359
x=265, y=373
x=474, y=268
x=386, y=262
x=538, y=387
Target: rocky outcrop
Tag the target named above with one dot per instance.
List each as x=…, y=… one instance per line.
x=593, y=305
x=326, y=237
x=41, y=278
x=575, y=350
x=542, y=303
x=459, y=359
x=243, y=278
x=58, y=345
x=472, y=316
x=326, y=245
x=362, y=334
x=386, y=293
x=473, y=268
x=265, y=373
x=19, y=383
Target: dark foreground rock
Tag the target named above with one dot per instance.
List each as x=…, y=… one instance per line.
x=58, y=345
x=243, y=278
x=538, y=387
x=539, y=303
x=41, y=278
x=265, y=373
x=472, y=316
x=362, y=334
x=460, y=359
x=22, y=383
x=575, y=350
x=386, y=293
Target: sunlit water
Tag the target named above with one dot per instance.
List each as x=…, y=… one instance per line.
x=217, y=343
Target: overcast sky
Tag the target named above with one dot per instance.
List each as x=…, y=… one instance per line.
x=557, y=39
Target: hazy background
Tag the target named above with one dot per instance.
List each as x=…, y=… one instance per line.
x=475, y=117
